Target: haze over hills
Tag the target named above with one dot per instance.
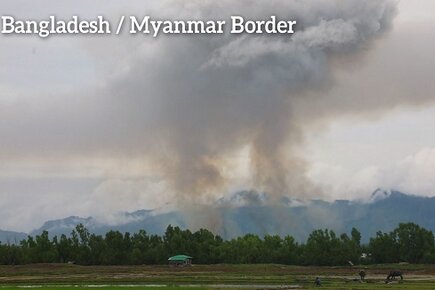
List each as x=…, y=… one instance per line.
x=11, y=237
x=249, y=212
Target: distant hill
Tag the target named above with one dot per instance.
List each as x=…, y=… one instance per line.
x=250, y=212
x=10, y=237
x=131, y=222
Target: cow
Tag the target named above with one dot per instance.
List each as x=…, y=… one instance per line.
x=393, y=274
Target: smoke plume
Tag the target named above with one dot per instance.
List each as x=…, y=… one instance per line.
x=185, y=103
x=197, y=99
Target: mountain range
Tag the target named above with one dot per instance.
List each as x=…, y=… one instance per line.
x=251, y=212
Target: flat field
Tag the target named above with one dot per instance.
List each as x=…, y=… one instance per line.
x=63, y=276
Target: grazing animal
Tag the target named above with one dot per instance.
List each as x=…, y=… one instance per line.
x=394, y=274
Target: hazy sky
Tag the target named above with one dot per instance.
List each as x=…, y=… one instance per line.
x=96, y=125
x=396, y=148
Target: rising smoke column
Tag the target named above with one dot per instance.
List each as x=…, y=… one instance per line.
x=186, y=103
x=196, y=99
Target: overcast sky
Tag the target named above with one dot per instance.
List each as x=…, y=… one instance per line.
x=97, y=125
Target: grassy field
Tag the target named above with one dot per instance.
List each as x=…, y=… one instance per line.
x=63, y=276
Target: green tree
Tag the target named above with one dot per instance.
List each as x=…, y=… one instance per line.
x=384, y=248
x=64, y=248
x=272, y=249
x=322, y=248
x=205, y=247
x=115, y=254
x=98, y=250
x=414, y=242
x=290, y=251
x=45, y=249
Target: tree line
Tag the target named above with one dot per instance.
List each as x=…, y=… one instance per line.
x=407, y=243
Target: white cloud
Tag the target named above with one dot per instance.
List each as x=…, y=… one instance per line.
x=413, y=174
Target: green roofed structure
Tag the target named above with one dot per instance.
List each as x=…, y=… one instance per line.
x=180, y=260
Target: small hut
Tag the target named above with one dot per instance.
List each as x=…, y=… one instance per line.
x=180, y=261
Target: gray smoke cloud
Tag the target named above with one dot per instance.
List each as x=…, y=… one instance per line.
x=185, y=103
x=196, y=99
